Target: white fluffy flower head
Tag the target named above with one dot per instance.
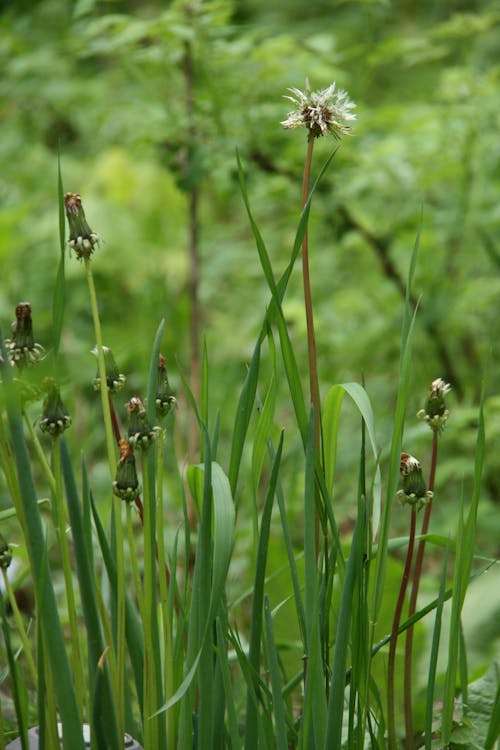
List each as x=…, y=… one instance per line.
x=321, y=112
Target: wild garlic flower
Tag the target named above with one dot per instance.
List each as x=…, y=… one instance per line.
x=414, y=492
x=435, y=412
x=126, y=484
x=321, y=112
x=55, y=418
x=21, y=347
x=115, y=380
x=81, y=237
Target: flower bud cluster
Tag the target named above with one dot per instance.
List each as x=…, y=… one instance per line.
x=435, y=412
x=414, y=491
x=140, y=433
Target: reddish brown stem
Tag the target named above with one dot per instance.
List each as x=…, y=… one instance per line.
x=391, y=720
x=413, y=604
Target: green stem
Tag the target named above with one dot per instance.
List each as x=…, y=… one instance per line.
x=417, y=572
x=391, y=720
x=20, y=629
x=151, y=723
x=119, y=681
x=110, y=443
x=40, y=454
x=133, y=560
x=68, y=577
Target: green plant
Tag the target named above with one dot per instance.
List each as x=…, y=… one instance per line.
x=174, y=653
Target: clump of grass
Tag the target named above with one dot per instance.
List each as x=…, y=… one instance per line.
x=167, y=655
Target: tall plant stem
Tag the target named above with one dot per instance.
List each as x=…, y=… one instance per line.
x=391, y=720
x=119, y=682
x=311, y=339
x=413, y=603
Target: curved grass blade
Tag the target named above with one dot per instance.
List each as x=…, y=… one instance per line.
x=85, y=574
x=273, y=665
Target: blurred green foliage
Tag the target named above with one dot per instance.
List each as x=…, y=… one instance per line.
x=148, y=101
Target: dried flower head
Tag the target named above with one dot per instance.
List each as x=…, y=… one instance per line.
x=435, y=412
x=414, y=492
x=21, y=347
x=55, y=418
x=81, y=238
x=5, y=554
x=114, y=379
x=165, y=399
x=140, y=433
x=321, y=112
x=126, y=484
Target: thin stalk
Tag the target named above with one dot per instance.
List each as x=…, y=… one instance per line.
x=40, y=454
x=76, y=654
x=164, y=579
x=408, y=708
x=133, y=560
x=110, y=444
x=20, y=629
x=119, y=686
x=391, y=720
x=151, y=722
x=311, y=339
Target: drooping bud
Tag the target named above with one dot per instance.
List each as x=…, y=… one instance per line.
x=126, y=484
x=5, y=554
x=414, y=492
x=140, y=433
x=114, y=379
x=55, y=417
x=165, y=399
x=81, y=237
x=22, y=348
x=435, y=412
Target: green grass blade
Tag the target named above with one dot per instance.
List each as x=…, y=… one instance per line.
x=222, y=658
x=19, y=691
x=331, y=416
x=315, y=713
x=243, y=413
x=274, y=673
x=69, y=710
x=153, y=374
x=133, y=625
x=95, y=641
x=494, y=726
x=465, y=553
x=337, y=686
x=59, y=298
x=254, y=652
x=436, y=636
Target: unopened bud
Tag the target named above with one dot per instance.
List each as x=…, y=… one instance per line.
x=55, y=418
x=126, y=484
x=140, y=433
x=114, y=379
x=81, y=237
x=414, y=492
x=165, y=399
x=435, y=412
x=21, y=347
